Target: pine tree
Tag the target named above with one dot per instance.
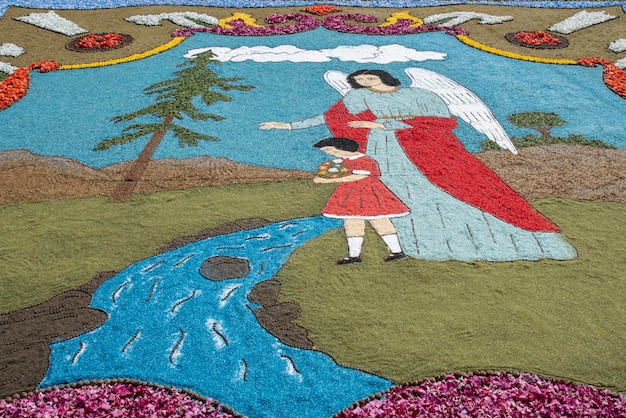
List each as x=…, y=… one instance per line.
x=174, y=101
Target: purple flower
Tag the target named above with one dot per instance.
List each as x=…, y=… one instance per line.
x=493, y=395
x=239, y=28
x=305, y=23
x=402, y=27
x=111, y=400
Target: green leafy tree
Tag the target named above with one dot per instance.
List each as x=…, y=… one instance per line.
x=174, y=101
x=542, y=122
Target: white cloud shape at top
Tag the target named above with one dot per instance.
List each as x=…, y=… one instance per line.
x=618, y=46
x=11, y=50
x=384, y=54
x=7, y=68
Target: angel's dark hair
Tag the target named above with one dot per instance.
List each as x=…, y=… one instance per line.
x=384, y=76
x=344, y=144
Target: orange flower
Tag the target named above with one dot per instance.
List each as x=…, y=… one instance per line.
x=106, y=40
x=537, y=38
x=14, y=87
x=44, y=66
x=321, y=9
x=614, y=77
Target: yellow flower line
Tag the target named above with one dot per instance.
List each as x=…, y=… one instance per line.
x=176, y=41
x=466, y=40
x=134, y=57
x=393, y=19
x=248, y=20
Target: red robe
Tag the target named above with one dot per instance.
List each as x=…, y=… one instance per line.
x=434, y=149
x=367, y=198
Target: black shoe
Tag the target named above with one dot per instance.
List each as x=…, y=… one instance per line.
x=350, y=260
x=396, y=256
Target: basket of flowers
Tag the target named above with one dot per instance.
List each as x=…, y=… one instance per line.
x=333, y=169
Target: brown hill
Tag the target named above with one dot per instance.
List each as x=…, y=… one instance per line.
x=563, y=170
x=26, y=177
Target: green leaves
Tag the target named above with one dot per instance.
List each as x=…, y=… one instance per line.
x=542, y=122
x=175, y=99
x=531, y=140
x=186, y=137
x=536, y=120
x=118, y=140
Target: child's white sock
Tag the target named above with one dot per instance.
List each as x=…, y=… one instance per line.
x=354, y=246
x=393, y=243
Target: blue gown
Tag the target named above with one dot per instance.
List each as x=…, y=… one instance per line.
x=440, y=226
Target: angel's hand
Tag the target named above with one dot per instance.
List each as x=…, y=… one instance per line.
x=275, y=125
x=366, y=124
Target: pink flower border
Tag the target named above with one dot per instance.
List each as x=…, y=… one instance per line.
x=337, y=23
x=302, y=23
x=496, y=394
x=490, y=395
x=402, y=27
x=117, y=399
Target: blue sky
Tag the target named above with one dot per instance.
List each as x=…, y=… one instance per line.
x=67, y=113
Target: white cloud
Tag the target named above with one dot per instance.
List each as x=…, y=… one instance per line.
x=11, y=50
x=7, y=68
x=581, y=20
x=458, y=18
x=618, y=46
x=53, y=22
x=384, y=54
x=185, y=19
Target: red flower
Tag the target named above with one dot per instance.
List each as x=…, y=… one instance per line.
x=614, y=77
x=107, y=40
x=536, y=38
x=321, y=9
x=14, y=87
x=44, y=66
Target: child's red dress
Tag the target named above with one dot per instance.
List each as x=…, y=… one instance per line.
x=366, y=199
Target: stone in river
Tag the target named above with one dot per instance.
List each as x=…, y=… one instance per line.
x=220, y=268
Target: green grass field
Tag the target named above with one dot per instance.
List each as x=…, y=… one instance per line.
x=48, y=248
x=406, y=320
x=414, y=319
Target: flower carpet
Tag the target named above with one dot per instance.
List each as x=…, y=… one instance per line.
x=287, y=209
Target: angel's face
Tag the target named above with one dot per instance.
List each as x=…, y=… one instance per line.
x=368, y=80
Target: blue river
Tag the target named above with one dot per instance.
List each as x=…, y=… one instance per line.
x=170, y=325
x=86, y=100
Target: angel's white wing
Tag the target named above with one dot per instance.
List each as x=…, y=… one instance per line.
x=338, y=81
x=462, y=103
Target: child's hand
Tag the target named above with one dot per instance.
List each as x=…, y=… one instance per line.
x=320, y=180
x=351, y=177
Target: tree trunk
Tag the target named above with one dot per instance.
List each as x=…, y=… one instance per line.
x=545, y=132
x=126, y=187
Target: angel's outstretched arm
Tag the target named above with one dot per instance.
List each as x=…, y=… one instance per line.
x=275, y=125
x=335, y=79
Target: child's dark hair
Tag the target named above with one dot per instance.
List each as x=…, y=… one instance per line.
x=384, y=76
x=344, y=144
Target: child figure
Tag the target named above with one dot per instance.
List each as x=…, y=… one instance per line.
x=360, y=197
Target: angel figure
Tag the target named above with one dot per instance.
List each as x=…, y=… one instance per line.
x=459, y=208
